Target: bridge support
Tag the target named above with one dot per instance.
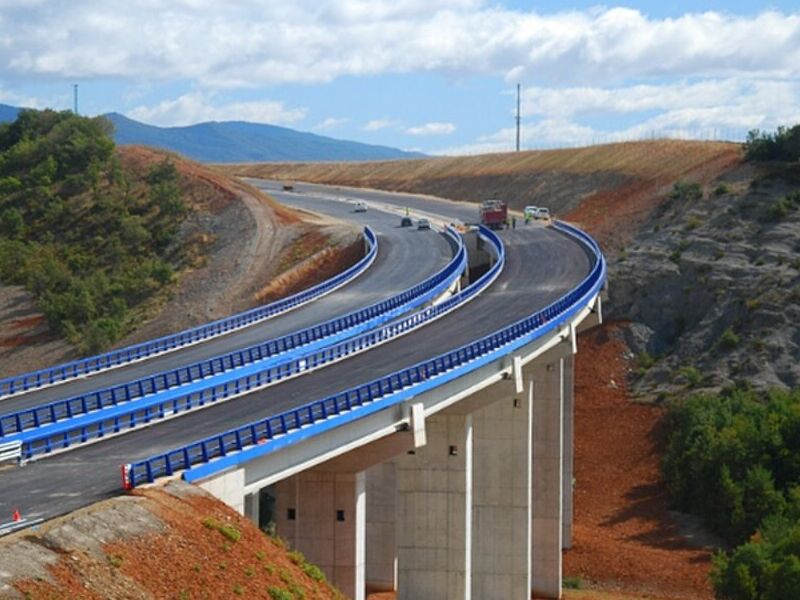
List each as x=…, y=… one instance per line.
x=381, y=546
x=549, y=470
x=501, y=553
x=434, y=513
x=322, y=514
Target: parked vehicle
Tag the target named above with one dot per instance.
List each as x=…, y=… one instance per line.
x=423, y=224
x=494, y=214
x=288, y=187
x=542, y=213
x=360, y=206
x=406, y=222
x=530, y=211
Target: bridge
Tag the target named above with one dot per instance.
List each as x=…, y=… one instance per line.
x=408, y=428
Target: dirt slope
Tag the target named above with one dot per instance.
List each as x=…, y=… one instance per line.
x=165, y=542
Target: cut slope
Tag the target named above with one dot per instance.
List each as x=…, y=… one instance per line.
x=170, y=542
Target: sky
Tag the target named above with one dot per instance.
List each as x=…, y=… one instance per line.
x=437, y=76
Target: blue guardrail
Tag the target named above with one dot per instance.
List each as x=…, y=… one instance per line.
x=209, y=375
x=94, y=364
x=99, y=424
x=229, y=448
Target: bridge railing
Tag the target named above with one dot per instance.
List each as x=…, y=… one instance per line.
x=262, y=432
x=86, y=366
x=65, y=423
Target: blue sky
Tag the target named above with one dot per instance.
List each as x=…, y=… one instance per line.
x=432, y=75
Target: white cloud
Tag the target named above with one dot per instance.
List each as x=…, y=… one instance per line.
x=253, y=43
x=331, y=123
x=196, y=107
x=378, y=124
x=432, y=129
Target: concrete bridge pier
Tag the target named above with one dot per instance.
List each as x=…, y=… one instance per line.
x=321, y=513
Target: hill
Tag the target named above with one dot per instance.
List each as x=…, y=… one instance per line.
x=239, y=141
x=628, y=176
x=8, y=113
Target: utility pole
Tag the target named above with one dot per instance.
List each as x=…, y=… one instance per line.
x=517, y=117
x=75, y=98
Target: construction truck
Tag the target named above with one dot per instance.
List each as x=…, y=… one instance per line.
x=494, y=214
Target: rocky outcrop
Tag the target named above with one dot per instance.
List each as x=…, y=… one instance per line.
x=711, y=287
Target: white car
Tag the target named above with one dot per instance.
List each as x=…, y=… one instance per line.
x=542, y=213
x=360, y=206
x=530, y=211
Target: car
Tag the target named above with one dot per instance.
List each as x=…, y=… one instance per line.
x=542, y=213
x=530, y=211
x=288, y=187
x=406, y=222
x=360, y=206
x=423, y=224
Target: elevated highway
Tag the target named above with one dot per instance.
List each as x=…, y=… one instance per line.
x=440, y=446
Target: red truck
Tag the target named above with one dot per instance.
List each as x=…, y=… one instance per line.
x=494, y=214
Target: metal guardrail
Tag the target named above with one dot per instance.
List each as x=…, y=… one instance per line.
x=243, y=380
x=235, y=446
x=12, y=526
x=10, y=451
x=264, y=354
x=10, y=386
x=261, y=434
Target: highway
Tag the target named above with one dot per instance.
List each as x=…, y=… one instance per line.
x=541, y=265
x=388, y=275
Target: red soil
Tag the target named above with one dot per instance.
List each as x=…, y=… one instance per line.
x=624, y=538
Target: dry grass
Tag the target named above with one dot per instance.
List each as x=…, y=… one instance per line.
x=649, y=159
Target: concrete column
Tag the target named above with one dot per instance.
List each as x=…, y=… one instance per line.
x=227, y=487
x=434, y=513
x=381, y=523
x=501, y=555
x=569, y=450
x=252, y=507
x=548, y=474
x=322, y=514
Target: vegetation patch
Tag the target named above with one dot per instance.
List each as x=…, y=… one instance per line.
x=734, y=460
x=92, y=240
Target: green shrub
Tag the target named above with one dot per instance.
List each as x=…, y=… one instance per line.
x=686, y=190
x=572, y=583
x=314, y=572
x=722, y=189
x=279, y=593
x=728, y=340
x=692, y=375
x=783, y=145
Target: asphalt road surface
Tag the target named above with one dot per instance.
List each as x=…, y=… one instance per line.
x=405, y=258
x=541, y=265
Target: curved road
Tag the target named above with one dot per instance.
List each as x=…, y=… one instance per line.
x=404, y=259
x=541, y=265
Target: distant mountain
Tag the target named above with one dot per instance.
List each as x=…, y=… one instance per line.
x=239, y=141
x=8, y=113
